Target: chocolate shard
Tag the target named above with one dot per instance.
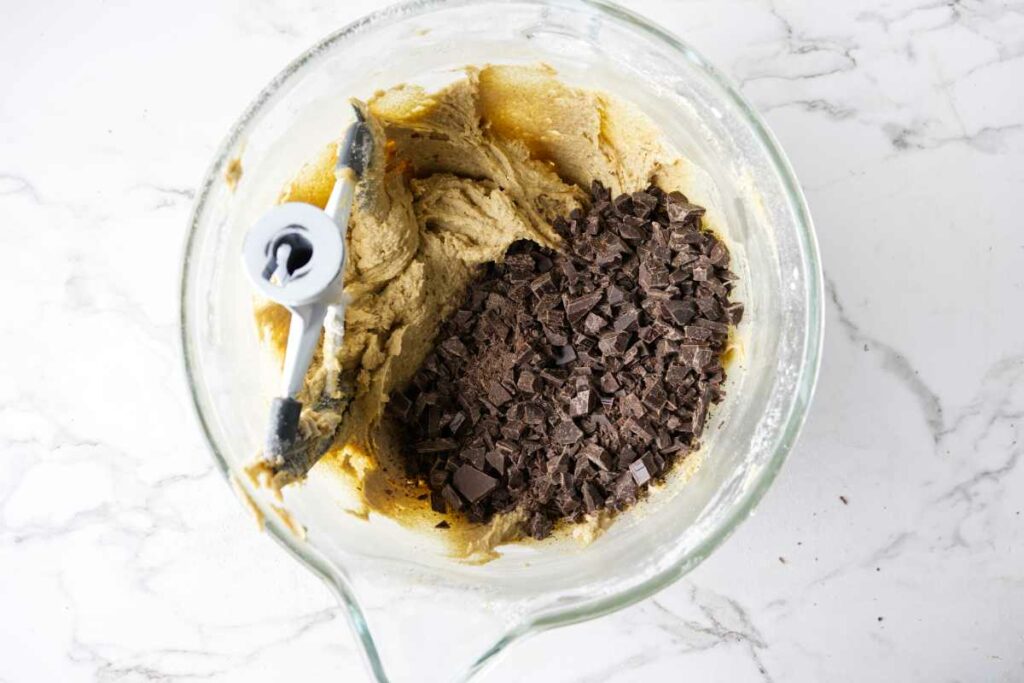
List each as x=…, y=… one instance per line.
x=527, y=382
x=680, y=210
x=609, y=384
x=451, y=498
x=627, y=320
x=679, y=312
x=735, y=312
x=719, y=255
x=472, y=483
x=399, y=405
x=563, y=355
x=592, y=498
x=533, y=414
x=453, y=346
x=497, y=460
x=630, y=404
x=474, y=456
x=569, y=271
x=652, y=275
x=580, y=404
x=566, y=432
x=498, y=394
x=644, y=203
x=539, y=526
x=696, y=333
x=594, y=323
x=600, y=458
x=456, y=422
x=624, y=489
x=641, y=475
x=615, y=295
x=655, y=398
x=614, y=343
x=578, y=307
x=714, y=326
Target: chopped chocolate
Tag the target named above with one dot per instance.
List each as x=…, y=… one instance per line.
x=451, y=498
x=594, y=323
x=640, y=473
x=615, y=295
x=679, y=312
x=735, y=312
x=631, y=405
x=567, y=382
x=527, y=382
x=613, y=343
x=627, y=320
x=580, y=306
x=498, y=395
x=609, y=384
x=496, y=459
x=592, y=498
x=566, y=433
x=472, y=483
x=533, y=414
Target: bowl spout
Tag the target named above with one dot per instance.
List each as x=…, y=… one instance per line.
x=423, y=633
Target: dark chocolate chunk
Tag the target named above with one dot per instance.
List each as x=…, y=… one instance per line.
x=475, y=456
x=451, y=498
x=580, y=306
x=631, y=405
x=592, y=498
x=594, y=323
x=564, y=354
x=566, y=432
x=542, y=283
x=497, y=394
x=456, y=421
x=679, y=312
x=609, y=384
x=613, y=343
x=527, y=382
x=615, y=295
x=569, y=270
x=496, y=459
x=640, y=473
x=539, y=526
x=627, y=320
x=580, y=404
x=533, y=414
x=472, y=483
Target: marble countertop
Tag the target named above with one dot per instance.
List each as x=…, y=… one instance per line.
x=891, y=546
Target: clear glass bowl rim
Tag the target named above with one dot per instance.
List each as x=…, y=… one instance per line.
x=810, y=362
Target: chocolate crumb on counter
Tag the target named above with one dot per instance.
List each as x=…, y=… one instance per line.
x=570, y=381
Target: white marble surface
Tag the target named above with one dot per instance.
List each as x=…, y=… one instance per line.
x=123, y=557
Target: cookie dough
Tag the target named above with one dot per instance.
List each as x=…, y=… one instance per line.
x=458, y=176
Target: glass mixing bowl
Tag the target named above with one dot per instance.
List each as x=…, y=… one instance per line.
x=416, y=612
